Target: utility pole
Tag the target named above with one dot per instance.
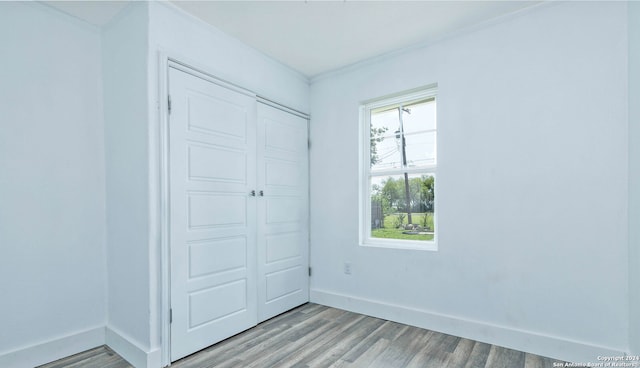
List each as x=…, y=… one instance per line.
x=403, y=144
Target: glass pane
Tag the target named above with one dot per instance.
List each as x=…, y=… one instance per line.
x=386, y=135
x=420, y=149
x=395, y=217
x=385, y=148
x=420, y=117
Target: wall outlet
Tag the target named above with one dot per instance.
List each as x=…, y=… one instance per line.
x=347, y=268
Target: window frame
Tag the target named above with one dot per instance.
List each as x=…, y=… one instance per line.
x=365, y=175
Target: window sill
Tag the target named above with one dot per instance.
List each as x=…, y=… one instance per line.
x=431, y=246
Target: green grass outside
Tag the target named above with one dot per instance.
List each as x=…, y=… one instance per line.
x=391, y=232
x=397, y=234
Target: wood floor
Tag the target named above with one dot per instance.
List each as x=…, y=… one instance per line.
x=317, y=336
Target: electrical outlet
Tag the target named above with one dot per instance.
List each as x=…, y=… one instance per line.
x=347, y=268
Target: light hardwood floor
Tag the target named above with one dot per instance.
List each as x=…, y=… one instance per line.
x=317, y=336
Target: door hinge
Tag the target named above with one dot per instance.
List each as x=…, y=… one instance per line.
x=171, y=315
x=169, y=103
x=309, y=143
x=309, y=271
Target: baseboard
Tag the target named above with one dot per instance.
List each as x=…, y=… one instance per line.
x=531, y=342
x=131, y=351
x=49, y=351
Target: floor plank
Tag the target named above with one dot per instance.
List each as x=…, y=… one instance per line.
x=478, y=356
x=100, y=357
x=461, y=354
x=371, y=354
x=401, y=350
x=500, y=357
x=316, y=336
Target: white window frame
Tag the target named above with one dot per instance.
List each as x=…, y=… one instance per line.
x=404, y=98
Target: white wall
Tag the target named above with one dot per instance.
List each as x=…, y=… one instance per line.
x=52, y=191
x=127, y=170
x=532, y=186
x=634, y=176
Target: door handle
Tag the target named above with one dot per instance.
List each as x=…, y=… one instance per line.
x=261, y=193
x=252, y=193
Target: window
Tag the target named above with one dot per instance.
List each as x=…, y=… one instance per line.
x=398, y=173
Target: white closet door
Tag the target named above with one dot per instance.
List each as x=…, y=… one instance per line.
x=212, y=138
x=283, y=211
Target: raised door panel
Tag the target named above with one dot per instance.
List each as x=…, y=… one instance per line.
x=216, y=163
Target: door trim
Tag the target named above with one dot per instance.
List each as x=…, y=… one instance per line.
x=159, y=160
x=275, y=105
x=163, y=209
x=173, y=63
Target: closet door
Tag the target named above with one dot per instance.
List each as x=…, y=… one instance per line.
x=283, y=211
x=212, y=165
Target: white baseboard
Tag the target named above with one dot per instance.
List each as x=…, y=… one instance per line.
x=527, y=341
x=131, y=351
x=49, y=351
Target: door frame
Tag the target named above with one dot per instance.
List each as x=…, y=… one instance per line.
x=159, y=195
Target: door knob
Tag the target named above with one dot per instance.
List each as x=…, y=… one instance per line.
x=252, y=193
x=261, y=193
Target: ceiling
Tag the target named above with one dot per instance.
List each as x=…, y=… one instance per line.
x=95, y=12
x=315, y=37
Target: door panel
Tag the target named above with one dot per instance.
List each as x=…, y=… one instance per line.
x=212, y=218
x=215, y=163
x=282, y=283
x=281, y=246
x=205, y=306
x=283, y=212
x=202, y=106
x=210, y=210
x=281, y=173
x=214, y=256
